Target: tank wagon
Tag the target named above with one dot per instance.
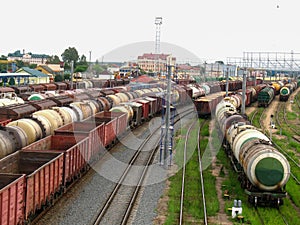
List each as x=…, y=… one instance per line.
x=262, y=170
x=287, y=90
x=265, y=96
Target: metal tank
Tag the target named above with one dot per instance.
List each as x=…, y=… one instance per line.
x=71, y=112
x=46, y=125
x=124, y=108
x=265, y=167
x=123, y=97
x=32, y=129
x=116, y=100
x=65, y=115
x=83, y=109
x=12, y=138
x=53, y=117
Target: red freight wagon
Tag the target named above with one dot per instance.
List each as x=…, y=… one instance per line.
x=137, y=113
x=158, y=96
x=145, y=108
x=12, y=198
x=36, y=87
x=49, y=87
x=95, y=133
x=60, y=86
x=122, y=122
x=152, y=105
x=44, y=176
x=75, y=149
x=110, y=128
x=248, y=96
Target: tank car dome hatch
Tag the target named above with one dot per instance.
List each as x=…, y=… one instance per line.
x=35, y=97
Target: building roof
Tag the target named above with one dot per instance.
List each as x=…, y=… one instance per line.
x=143, y=79
x=32, y=72
x=19, y=54
x=55, y=67
x=47, y=68
x=155, y=56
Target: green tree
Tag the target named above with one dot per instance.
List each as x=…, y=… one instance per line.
x=80, y=68
x=32, y=66
x=3, y=57
x=67, y=76
x=58, y=78
x=97, y=69
x=12, y=81
x=69, y=55
x=53, y=60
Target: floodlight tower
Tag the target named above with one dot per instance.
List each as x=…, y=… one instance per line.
x=158, y=23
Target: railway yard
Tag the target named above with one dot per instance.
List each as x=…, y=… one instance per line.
x=90, y=154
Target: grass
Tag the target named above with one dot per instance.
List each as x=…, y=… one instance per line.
x=193, y=206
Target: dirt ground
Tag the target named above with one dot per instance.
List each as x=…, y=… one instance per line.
x=221, y=217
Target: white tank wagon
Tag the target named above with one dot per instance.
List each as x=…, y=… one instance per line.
x=263, y=170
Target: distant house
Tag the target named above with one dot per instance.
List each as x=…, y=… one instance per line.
x=155, y=62
x=51, y=70
x=105, y=75
x=28, y=57
x=35, y=77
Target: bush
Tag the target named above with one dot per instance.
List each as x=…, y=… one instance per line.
x=12, y=81
x=58, y=78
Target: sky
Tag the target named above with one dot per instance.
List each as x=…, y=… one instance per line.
x=209, y=29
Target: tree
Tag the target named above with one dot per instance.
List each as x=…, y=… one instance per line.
x=58, y=78
x=80, y=68
x=32, y=66
x=67, y=76
x=12, y=81
x=53, y=60
x=98, y=69
x=3, y=57
x=70, y=55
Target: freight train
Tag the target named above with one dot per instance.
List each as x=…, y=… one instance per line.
x=266, y=96
x=262, y=170
x=206, y=104
x=287, y=90
x=58, y=144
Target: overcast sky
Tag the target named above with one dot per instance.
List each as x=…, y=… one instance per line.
x=210, y=29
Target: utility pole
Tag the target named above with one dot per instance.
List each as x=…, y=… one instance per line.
x=244, y=91
x=72, y=68
x=167, y=126
x=158, y=23
x=227, y=82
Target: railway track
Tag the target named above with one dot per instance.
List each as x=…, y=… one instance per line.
x=181, y=214
x=118, y=207
x=282, y=110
